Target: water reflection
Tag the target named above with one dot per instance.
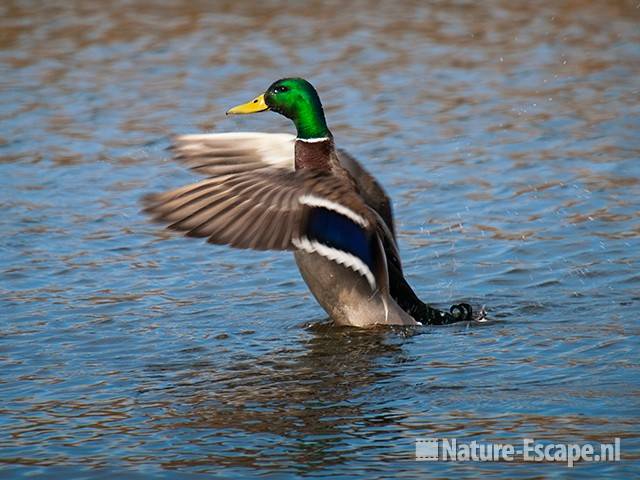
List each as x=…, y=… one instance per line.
x=303, y=396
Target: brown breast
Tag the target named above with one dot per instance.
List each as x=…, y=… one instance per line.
x=314, y=154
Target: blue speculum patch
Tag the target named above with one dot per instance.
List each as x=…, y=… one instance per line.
x=337, y=231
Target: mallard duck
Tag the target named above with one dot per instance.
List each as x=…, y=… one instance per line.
x=268, y=191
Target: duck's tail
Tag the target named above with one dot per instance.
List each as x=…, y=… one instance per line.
x=406, y=298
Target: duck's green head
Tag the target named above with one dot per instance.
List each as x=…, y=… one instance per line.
x=296, y=99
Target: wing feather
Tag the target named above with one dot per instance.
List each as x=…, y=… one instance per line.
x=252, y=209
x=228, y=153
x=255, y=199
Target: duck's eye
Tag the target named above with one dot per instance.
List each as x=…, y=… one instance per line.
x=280, y=89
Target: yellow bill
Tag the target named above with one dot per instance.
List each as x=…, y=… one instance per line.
x=254, y=106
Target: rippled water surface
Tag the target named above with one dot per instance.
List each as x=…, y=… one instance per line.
x=508, y=136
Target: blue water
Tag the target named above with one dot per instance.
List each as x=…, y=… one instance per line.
x=507, y=136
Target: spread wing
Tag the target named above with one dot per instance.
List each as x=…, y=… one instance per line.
x=271, y=208
x=227, y=153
